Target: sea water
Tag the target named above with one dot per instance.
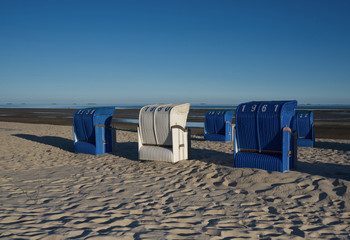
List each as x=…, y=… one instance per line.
x=224, y=107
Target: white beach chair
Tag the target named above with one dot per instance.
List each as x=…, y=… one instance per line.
x=162, y=133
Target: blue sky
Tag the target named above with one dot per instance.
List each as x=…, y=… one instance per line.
x=142, y=52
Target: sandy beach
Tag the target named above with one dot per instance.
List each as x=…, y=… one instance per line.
x=259, y=70
x=49, y=192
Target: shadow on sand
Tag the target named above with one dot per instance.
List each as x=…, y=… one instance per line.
x=126, y=130
x=333, y=146
x=128, y=150
x=59, y=142
x=212, y=156
x=328, y=170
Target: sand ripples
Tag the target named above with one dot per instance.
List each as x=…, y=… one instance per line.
x=48, y=192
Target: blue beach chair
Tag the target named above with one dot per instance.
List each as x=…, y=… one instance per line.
x=263, y=137
x=218, y=126
x=92, y=132
x=305, y=128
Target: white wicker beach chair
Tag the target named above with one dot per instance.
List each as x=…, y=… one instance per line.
x=162, y=133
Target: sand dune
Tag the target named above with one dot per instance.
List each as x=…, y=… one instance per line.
x=49, y=192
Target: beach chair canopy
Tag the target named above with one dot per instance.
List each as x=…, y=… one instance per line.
x=218, y=125
x=305, y=128
x=162, y=126
x=91, y=130
x=263, y=135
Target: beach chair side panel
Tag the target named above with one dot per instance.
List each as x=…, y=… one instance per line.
x=228, y=126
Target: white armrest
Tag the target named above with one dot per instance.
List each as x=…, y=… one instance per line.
x=180, y=143
x=139, y=138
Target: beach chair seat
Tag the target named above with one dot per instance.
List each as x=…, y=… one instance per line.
x=92, y=132
x=162, y=132
x=263, y=137
x=305, y=128
x=271, y=162
x=218, y=126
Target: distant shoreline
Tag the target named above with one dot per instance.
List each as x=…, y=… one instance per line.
x=323, y=107
x=331, y=124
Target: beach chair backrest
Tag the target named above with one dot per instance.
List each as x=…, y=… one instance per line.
x=209, y=123
x=146, y=122
x=220, y=122
x=215, y=121
x=83, y=124
x=272, y=117
x=246, y=126
x=162, y=124
x=304, y=123
x=156, y=121
x=269, y=126
x=259, y=124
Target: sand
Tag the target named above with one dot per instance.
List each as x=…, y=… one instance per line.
x=49, y=192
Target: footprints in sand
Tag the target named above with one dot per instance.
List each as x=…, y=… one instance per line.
x=111, y=197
